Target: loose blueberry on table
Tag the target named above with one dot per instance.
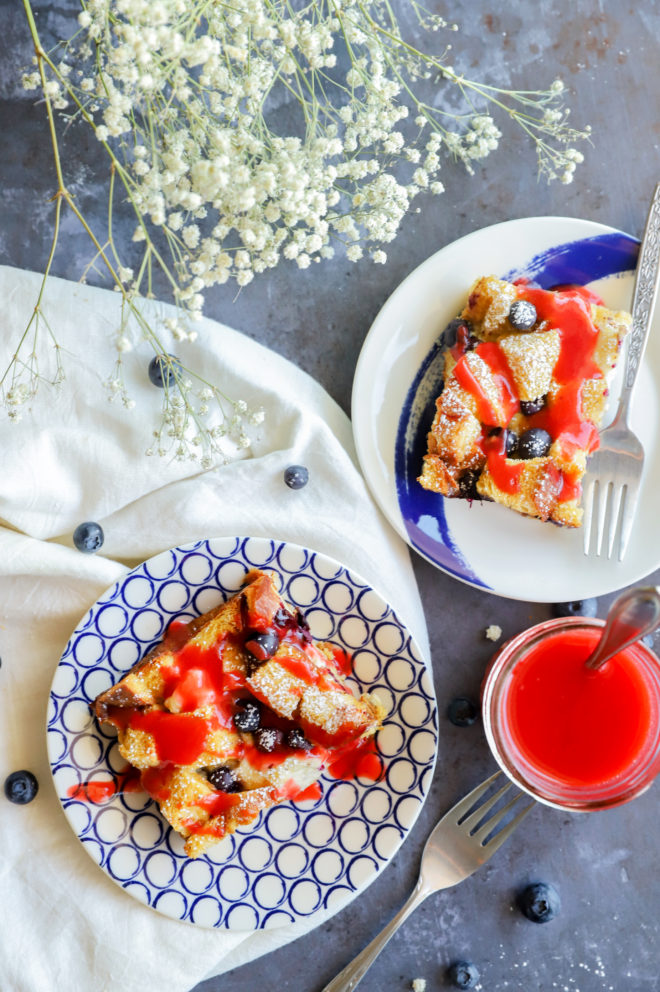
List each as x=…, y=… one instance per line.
x=463, y=974
x=21, y=787
x=162, y=370
x=577, y=608
x=88, y=537
x=462, y=712
x=296, y=476
x=539, y=902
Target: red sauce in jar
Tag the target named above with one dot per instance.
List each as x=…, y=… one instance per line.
x=577, y=725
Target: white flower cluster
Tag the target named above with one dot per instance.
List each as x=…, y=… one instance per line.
x=247, y=134
x=193, y=98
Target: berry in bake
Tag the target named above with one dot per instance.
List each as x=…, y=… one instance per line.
x=525, y=384
x=235, y=711
x=247, y=719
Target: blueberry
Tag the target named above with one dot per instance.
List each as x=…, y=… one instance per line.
x=21, y=787
x=462, y=711
x=467, y=485
x=88, y=537
x=458, y=330
x=463, y=974
x=297, y=740
x=510, y=440
x=533, y=443
x=522, y=315
x=648, y=641
x=539, y=902
x=296, y=476
x=248, y=718
x=261, y=647
x=268, y=738
x=163, y=370
x=529, y=407
x=578, y=608
x=223, y=779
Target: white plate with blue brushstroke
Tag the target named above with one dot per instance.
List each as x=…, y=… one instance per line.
x=398, y=378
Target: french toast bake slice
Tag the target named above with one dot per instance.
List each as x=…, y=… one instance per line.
x=235, y=711
x=526, y=374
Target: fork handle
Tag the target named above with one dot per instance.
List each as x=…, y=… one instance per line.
x=644, y=296
x=354, y=972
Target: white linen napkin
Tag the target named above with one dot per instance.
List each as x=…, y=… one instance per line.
x=75, y=457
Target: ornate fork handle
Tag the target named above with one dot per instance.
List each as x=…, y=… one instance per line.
x=644, y=296
x=354, y=972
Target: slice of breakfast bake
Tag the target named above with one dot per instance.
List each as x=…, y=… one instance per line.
x=526, y=374
x=235, y=711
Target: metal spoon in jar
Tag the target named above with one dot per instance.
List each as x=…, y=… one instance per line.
x=631, y=616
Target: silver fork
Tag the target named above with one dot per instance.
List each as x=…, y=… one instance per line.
x=611, y=490
x=460, y=843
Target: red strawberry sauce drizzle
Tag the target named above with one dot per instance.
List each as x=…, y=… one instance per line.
x=196, y=678
x=179, y=738
x=490, y=353
x=504, y=473
x=568, y=310
x=98, y=791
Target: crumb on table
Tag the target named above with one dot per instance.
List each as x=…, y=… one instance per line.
x=493, y=632
x=419, y=985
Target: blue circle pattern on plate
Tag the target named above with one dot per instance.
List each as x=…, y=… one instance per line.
x=423, y=512
x=296, y=859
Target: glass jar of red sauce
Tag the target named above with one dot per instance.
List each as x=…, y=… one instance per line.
x=573, y=737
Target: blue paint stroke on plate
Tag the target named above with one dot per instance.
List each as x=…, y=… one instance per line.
x=575, y=262
x=424, y=511
x=581, y=262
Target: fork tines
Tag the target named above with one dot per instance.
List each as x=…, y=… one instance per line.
x=604, y=506
x=472, y=817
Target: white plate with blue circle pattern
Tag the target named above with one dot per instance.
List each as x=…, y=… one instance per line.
x=397, y=380
x=298, y=859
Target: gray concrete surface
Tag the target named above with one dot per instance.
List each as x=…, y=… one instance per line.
x=607, y=937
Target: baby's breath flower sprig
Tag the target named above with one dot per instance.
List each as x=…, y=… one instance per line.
x=246, y=133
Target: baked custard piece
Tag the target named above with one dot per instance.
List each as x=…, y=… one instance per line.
x=234, y=712
x=525, y=386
